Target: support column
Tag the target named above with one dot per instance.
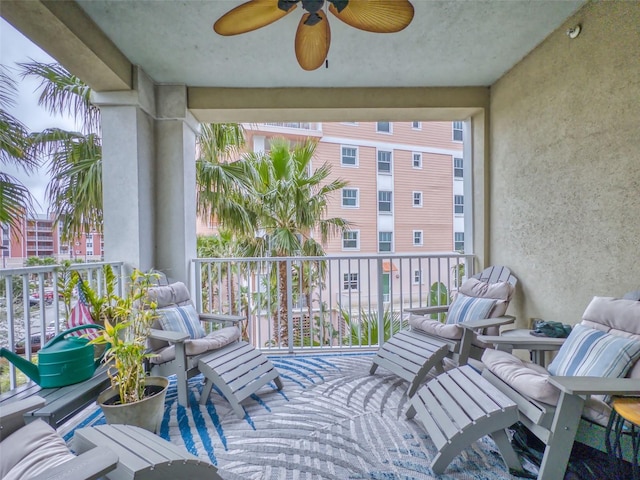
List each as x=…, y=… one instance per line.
x=128, y=153
x=175, y=183
x=148, y=177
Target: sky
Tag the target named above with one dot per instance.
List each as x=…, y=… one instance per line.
x=16, y=48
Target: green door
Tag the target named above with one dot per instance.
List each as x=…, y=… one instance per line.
x=386, y=282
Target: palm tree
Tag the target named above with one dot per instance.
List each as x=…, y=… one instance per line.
x=15, y=199
x=75, y=158
x=219, y=176
x=287, y=204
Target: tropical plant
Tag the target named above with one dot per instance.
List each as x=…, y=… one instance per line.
x=125, y=336
x=75, y=158
x=102, y=305
x=438, y=295
x=220, y=176
x=222, y=245
x=15, y=199
x=365, y=329
x=287, y=205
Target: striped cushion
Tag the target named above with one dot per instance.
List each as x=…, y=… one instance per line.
x=181, y=319
x=465, y=309
x=594, y=353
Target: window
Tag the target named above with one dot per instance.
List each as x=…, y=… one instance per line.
x=457, y=131
x=384, y=241
x=349, y=197
x=350, y=240
x=350, y=281
x=458, y=239
x=417, y=160
x=384, y=162
x=384, y=202
x=458, y=203
x=89, y=252
x=383, y=127
x=458, y=170
x=417, y=199
x=416, y=125
x=417, y=277
x=349, y=156
x=417, y=237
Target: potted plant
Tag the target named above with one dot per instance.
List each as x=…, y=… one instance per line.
x=133, y=397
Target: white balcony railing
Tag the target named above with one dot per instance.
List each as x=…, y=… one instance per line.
x=325, y=303
x=291, y=304
x=31, y=311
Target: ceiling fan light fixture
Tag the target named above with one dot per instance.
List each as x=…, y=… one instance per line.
x=313, y=36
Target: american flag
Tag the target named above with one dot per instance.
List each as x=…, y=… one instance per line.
x=81, y=315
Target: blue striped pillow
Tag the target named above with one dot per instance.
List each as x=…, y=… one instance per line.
x=465, y=309
x=588, y=352
x=181, y=319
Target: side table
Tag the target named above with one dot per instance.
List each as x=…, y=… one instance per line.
x=521, y=338
x=626, y=410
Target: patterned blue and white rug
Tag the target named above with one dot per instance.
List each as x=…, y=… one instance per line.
x=332, y=420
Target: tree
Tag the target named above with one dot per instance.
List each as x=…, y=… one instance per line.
x=75, y=158
x=286, y=203
x=220, y=177
x=15, y=199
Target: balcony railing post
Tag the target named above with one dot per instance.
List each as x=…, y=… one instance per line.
x=381, y=302
x=289, y=306
x=198, y=285
x=8, y=282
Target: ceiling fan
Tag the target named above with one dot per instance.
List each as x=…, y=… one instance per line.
x=314, y=35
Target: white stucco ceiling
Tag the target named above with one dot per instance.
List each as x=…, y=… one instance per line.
x=449, y=43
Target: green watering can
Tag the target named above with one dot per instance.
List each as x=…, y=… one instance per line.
x=62, y=361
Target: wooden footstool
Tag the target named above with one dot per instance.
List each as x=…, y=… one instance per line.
x=238, y=370
x=460, y=406
x=411, y=356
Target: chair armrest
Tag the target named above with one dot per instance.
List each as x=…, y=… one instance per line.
x=222, y=318
x=12, y=414
x=427, y=310
x=168, y=336
x=596, y=385
x=92, y=464
x=526, y=342
x=488, y=322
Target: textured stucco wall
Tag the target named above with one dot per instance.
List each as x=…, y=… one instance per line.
x=565, y=165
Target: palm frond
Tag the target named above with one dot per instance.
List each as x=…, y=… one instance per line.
x=14, y=144
x=62, y=93
x=75, y=189
x=15, y=201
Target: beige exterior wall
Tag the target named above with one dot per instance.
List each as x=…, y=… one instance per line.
x=564, y=168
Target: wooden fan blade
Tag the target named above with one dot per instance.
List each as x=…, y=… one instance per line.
x=377, y=16
x=312, y=42
x=250, y=16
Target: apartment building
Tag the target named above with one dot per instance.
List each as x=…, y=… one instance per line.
x=39, y=237
x=405, y=192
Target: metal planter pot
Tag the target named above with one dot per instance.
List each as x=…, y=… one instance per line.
x=147, y=413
